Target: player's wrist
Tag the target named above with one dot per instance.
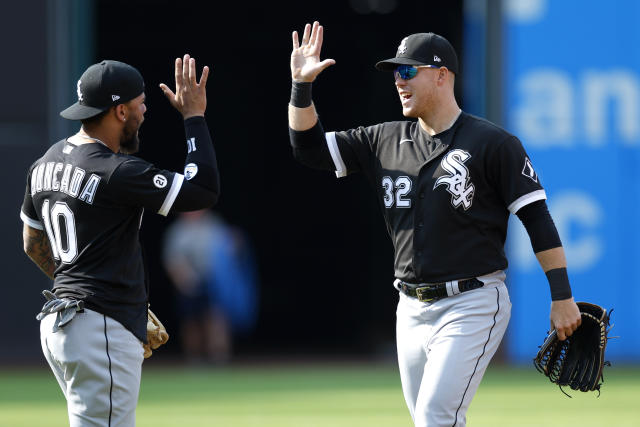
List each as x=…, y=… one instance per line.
x=559, y=284
x=300, y=94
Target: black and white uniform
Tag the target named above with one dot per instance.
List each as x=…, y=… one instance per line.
x=446, y=200
x=90, y=202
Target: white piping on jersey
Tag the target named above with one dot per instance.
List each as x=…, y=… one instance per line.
x=30, y=222
x=341, y=169
x=176, y=185
x=523, y=201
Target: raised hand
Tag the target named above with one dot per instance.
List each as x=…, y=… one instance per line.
x=305, y=56
x=190, y=98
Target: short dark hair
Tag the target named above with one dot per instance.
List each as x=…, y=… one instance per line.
x=94, y=120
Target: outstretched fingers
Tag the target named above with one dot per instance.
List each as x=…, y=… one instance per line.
x=296, y=42
x=178, y=73
x=306, y=34
x=185, y=68
x=314, y=33
x=204, y=77
x=192, y=71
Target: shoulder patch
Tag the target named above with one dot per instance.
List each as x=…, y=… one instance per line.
x=160, y=181
x=190, y=171
x=528, y=171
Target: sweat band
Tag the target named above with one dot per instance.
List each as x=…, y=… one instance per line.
x=559, y=284
x=300, y=94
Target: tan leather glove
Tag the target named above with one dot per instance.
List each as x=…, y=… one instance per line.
x=156, y=334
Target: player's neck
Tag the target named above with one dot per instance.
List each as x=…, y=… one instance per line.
x=441, y=119
x=98, y=135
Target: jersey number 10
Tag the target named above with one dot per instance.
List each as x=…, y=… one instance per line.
x=61, y=229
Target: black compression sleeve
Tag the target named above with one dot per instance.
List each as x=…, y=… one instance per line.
x=310, y=148
x=539, y=225
x=559, y=284
x=201, y=186
x=193, y=197
x=201, y=167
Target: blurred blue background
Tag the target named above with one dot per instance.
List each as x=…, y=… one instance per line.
x=562, y=76
x=572, y=94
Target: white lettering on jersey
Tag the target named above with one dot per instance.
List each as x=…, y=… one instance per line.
x=48, y=172
x=39, y=177
x=191, y=144
x=458, y=182
x=160, y=181
x=55, y=183
x=190, y=171
x=45, y=178
x=89, y=190
x=76, y=180
x=66, y=176
x=528, y=170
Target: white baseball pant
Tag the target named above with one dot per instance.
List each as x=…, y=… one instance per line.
x=444, y=348
x=98, y=364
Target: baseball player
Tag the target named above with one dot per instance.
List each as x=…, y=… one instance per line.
x=83, y=207
x=446, y=185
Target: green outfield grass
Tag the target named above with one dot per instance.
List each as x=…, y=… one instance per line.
x=305, y=395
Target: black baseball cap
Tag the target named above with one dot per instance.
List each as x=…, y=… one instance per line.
x=103, y=85
x=423, y=49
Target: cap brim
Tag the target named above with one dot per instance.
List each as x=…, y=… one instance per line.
x=80, y=112
x=392, y=63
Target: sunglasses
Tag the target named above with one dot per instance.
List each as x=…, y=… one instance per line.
x=407, y=72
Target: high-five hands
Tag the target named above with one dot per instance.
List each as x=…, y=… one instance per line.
x=190, y=98
x=305, y=56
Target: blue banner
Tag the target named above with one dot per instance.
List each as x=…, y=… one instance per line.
x=572, y=95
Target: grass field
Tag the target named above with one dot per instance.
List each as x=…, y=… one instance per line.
x=325, y=395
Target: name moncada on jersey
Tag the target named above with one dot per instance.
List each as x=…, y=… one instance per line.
x=45, y=178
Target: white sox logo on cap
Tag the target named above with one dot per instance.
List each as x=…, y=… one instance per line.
x=79, y=92
x=403, y=46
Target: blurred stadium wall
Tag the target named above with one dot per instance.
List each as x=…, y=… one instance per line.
x=572, y=94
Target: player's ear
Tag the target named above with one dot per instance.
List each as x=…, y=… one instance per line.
x=121, y=112
x=442, y=74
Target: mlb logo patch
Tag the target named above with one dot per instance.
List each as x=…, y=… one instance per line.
x=528, y=170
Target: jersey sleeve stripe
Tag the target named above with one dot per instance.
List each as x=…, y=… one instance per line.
x=30, y=222
x=522, y=201
x=332, y=143
x=176, y=185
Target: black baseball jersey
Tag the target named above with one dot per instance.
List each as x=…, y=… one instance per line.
x=446, y=198
x=90, y=202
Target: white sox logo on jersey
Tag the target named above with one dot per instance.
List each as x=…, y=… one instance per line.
x=457, y=181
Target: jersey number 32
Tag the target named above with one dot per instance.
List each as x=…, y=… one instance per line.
x=394, y=192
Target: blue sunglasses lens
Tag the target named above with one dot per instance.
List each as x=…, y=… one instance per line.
x=406, y=72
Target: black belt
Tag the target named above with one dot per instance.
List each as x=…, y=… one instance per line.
x=434, y=291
